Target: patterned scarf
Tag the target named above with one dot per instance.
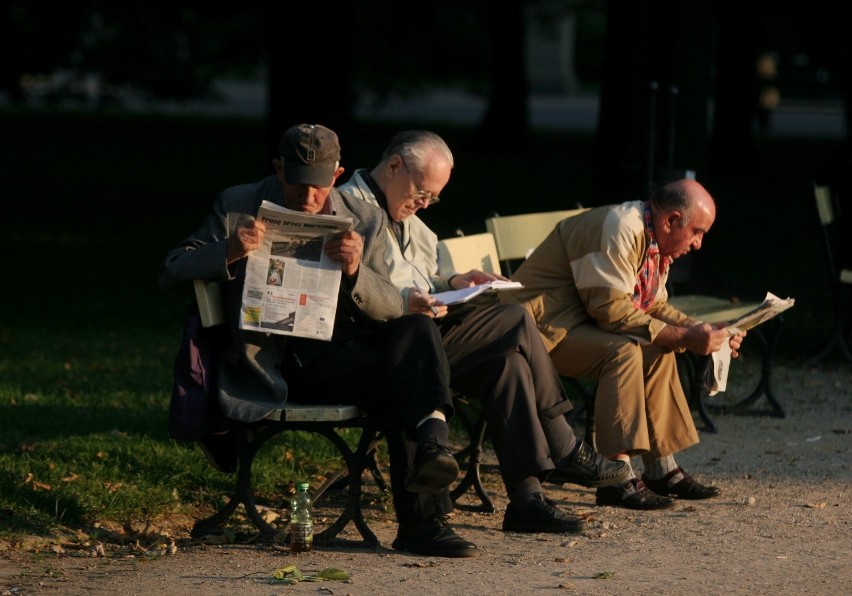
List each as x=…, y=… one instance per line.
x=648, y=278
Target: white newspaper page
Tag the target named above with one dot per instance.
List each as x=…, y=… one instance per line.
x=771, y=307
x=291, y=285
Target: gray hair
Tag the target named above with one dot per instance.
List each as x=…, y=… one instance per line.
x=673, y=197
x=415, y=146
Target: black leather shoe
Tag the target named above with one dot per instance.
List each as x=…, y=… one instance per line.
x=435, y=469
x=541, y=515
x=433, y=538
x=687, y=488
x=589, y=468
x=633, y=494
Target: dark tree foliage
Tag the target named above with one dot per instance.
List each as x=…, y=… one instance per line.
x=656, y=74
x=169, y=50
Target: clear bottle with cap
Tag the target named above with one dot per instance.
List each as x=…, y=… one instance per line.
x=301, y=522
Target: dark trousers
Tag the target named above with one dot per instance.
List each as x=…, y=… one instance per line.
x=394, y=370
x=496, y=355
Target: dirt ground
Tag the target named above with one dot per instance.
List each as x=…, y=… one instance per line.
x=781, y=526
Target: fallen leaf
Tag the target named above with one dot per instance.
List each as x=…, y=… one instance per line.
x=333, y=573
x=604, y=575
x=819, y=505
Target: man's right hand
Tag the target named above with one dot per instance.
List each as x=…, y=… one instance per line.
x=704, y=339
x=247, y=236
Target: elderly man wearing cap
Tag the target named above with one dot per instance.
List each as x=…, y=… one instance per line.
x=388, y=363
x=494, y=352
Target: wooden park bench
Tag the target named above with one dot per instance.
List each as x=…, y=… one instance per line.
x=324, y=420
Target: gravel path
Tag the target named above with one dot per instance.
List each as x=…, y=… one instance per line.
x=781, y=526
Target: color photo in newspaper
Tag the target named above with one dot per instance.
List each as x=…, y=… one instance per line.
x=291, y=285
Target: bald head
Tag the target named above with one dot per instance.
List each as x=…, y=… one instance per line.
x=682, y=211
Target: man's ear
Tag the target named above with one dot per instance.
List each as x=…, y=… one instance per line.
x=673, y=219
x=337, y=174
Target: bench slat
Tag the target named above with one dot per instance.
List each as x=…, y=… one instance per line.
x=316, y=413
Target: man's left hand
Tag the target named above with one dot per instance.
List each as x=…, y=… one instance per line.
x=347, y=248
x=474, y=277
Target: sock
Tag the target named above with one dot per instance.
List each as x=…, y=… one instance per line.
x=525, y=492
x=435, y=414
x=660, y=467
x=631, y=474
x=433, y=428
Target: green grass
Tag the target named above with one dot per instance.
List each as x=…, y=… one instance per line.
x=92, y=204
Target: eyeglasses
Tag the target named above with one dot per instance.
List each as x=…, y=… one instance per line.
x=419, y=194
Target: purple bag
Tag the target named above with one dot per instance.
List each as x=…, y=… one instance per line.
x=194, y=410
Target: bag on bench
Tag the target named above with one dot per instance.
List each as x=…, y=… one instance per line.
x=194, y=410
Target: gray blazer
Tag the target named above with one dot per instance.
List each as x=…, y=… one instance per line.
x=250, y=381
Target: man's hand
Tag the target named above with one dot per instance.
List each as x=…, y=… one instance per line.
x=736, y=342
x=423, y=303
x=247, y=236
x=702, y=339
x=474, y=277
x=346, y=248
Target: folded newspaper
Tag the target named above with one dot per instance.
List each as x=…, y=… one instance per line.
x=771, y=307
x=291, y=285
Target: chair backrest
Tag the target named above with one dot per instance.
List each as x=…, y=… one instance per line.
x=829, y=217
x=516, y=236
x=208, y=295
x=463, y=253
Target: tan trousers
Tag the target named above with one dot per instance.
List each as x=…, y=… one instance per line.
x=640, y=407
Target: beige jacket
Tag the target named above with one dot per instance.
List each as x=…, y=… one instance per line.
x=585, y=271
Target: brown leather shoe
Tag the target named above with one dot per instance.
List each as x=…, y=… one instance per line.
x=687, y=488
x=633, y=494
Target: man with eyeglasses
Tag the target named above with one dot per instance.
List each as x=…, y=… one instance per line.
x=494, y=350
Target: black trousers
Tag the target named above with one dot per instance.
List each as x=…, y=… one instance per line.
x=496, y=355
x=396, y=371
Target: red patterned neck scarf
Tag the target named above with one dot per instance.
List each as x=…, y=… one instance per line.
x=648, y=278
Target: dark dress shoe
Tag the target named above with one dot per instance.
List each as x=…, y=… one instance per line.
x=435, y=469
x=632, y=495
x=687, y=488
x=433, y=538
x=541, y=515
x=589, y=468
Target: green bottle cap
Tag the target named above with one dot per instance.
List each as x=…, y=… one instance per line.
x=303, y=486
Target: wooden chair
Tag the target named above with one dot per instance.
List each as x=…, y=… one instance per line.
x=459, y=255
x=839, y=278
x=324, y=420
x=516, y=236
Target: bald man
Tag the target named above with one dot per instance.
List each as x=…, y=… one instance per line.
x=597, y=289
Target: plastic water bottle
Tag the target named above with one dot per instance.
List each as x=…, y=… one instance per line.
x=301, y=523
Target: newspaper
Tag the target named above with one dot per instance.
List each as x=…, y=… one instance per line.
x=291, y=285
x=771, y=307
